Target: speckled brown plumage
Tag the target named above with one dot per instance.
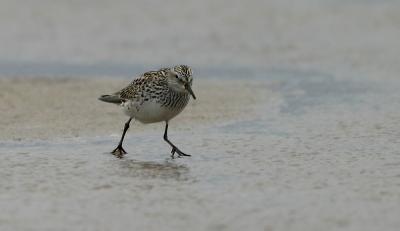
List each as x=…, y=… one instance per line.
x=153, y=85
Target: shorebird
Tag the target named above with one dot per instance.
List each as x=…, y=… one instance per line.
x=155, y=96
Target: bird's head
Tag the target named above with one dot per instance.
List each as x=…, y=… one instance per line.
x=180, y=79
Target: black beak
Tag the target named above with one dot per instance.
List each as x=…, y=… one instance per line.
x=189, y=89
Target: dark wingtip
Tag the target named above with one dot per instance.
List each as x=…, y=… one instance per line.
x=103, y=97
x=110, y=99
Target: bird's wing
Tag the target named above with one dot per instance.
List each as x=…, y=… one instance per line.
x=138, y=86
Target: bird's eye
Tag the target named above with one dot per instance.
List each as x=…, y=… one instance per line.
x=176, y=76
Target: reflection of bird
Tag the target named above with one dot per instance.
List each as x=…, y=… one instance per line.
x=154, y=97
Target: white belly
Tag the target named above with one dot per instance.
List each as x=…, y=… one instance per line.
x=149, y=111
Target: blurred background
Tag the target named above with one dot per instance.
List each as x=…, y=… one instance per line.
x=121, y=37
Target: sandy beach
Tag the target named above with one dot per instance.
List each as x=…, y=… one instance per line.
x=42, y=108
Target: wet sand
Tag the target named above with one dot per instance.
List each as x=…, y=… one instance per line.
x=320, y=153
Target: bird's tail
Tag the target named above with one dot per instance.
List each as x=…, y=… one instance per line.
x=111, y=99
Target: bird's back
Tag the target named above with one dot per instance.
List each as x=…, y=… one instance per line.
x=150, y=82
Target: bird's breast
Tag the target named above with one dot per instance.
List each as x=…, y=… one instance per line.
x=150, y=111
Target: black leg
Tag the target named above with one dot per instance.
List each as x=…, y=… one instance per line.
x=174, y=148
x=119, y=151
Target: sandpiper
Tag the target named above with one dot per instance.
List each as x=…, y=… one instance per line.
x=153, y=97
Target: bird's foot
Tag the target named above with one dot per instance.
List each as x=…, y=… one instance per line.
x=179, y=152
x=119, y=151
